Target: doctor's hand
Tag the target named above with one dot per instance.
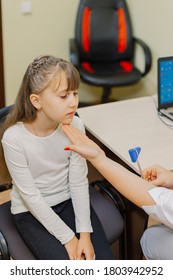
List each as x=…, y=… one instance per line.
x=159, y=176
x=82, y=144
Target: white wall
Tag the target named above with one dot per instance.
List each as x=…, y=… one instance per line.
x=45, y=31
x=152, y=21
x=50, y=25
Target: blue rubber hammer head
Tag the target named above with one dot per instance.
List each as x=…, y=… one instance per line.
x=134, y=153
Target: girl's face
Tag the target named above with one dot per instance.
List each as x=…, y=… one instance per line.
x=57, y=105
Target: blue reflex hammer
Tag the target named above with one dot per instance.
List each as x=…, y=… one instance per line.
x=134, y=153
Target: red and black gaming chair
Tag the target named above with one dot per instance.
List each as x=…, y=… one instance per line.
x=103, y=49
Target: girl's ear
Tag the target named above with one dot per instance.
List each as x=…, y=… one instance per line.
x=35, y=100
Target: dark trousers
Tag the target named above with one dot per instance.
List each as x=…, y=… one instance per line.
x=46, y=247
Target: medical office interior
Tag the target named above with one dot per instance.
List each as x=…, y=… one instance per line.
x=35, y=27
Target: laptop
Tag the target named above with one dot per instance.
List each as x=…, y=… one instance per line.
x=165, y=86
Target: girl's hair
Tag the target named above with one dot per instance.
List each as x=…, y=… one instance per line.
x=40, y=74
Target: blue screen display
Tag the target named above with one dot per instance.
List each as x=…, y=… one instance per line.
x=166, y=81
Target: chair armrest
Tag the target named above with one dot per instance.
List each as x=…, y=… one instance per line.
x=4, y=253
x=111, y=212
x=147, y=54
x=104, y=186
x=74, y=56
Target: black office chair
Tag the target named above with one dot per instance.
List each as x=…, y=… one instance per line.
x=104, y=48
x=106, y=204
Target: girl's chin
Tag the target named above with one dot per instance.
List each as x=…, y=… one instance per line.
x=66, y=122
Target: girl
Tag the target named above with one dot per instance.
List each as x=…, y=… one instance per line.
x=154, y=194
x=50, y=198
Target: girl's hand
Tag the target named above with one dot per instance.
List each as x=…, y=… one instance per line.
x=158, y=176
x=82, y=144
x=71, y=248
x=85, y=247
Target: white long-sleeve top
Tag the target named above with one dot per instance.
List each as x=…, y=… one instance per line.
x=44, y=175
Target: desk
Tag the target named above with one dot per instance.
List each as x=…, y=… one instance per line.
x=120, y=126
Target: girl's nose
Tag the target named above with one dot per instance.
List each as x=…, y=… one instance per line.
x=73, y=100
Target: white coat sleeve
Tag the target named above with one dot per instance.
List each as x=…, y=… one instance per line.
x=163, y=210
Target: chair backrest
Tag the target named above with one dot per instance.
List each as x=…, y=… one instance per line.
x=3, y=112
x=103, y=31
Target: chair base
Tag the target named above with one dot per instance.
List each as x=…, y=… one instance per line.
x=106, y=94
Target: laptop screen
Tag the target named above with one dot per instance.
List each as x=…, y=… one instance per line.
x=165, y=82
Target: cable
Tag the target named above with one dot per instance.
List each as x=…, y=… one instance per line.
x=162, y=117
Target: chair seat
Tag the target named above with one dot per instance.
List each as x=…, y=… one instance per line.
x=109, y=216
x=117, y=74
x=18, y=250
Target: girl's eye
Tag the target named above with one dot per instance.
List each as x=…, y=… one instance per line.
x=64, y=96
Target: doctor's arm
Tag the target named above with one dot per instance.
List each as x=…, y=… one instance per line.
x=128, y=184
